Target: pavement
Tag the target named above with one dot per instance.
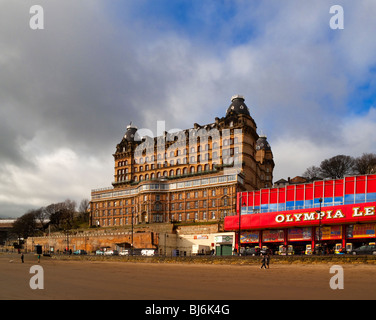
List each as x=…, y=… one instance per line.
x=110, y=280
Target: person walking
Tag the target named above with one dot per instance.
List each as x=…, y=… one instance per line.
x=22, y=257
x=263, y=262
x=267, y=260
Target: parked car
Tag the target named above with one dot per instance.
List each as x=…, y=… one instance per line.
x=111, y=253
x=124, y=253
x=80, y=252
x=367, y=249
x=148, y=252
x=251, y=251
x=99, y=252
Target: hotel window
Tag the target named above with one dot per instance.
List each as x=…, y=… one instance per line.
x=213, y=214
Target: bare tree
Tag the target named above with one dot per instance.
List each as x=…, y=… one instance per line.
x=337, y=167
x=312, y=172
x=365, y=164
x=83, y=210
x=25, y=225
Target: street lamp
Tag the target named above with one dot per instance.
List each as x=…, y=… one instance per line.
x=319, y=212
x=240, y=213
x=132, y=234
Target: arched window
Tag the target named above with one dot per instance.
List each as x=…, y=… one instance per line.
x=192, y=170
x=171, y=173
x=199, y=168
x=185, y=170
x=178, y=172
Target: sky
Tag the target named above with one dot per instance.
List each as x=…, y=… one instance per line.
x=68, y=91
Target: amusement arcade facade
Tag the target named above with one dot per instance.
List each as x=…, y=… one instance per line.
x=331, y=213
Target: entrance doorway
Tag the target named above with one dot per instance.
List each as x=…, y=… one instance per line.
x=223, y=250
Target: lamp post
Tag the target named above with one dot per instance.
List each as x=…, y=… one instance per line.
x=240, y=213
x=132, y=235
x=319, y=212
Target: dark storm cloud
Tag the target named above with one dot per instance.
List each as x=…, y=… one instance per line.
x=67, y=92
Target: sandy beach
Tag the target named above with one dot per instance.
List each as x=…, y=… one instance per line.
x=104, y=280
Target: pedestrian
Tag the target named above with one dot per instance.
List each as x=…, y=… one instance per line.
x=22, y=257
x=267, y=260
x=263, y=262
x=38, y=258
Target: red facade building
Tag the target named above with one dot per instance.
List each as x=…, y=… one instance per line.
x=291, y=215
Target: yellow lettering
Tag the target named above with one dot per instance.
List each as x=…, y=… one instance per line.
x=338, y=214
x=369, y=211
x=309, y=216
x=280, y=218
x=288, y=218
x=356, y=212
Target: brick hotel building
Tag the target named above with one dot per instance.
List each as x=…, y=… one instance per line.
x=191, y=175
